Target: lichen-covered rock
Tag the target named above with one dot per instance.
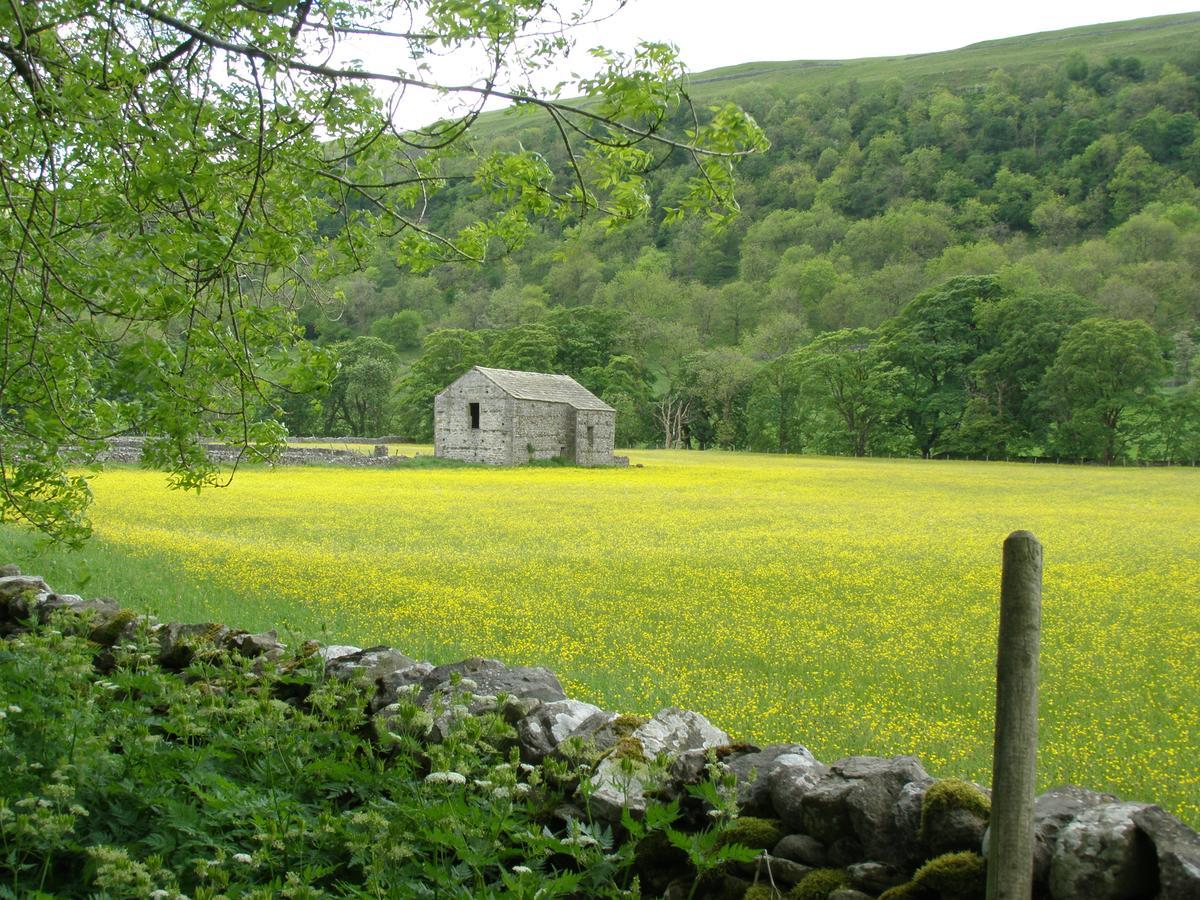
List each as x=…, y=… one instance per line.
x=402, y=684
x=605, y=732
x=18, y=597
x=802, y=848
x=791, y=778
x=908, y=807
x=103, y=613
x=179, y=642
x=954, y=816
x=264, y=644
x=767, y=869
x=369, y=664
x=753, y=767
x=1052, y=811
x=857, y=799
x=622, y=778
x=110, y=624
x=674, y=731
x=489, y=677
x=1177, y=848
x=1103, y=855
x=333, y=651
x=540, y=733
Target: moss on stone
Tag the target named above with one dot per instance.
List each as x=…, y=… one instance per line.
x=629, y=748
x=951, y=794
x=903, y=892
x=625, y=725
x=761, y=892
x=106, y=633
x=752, y=832
x=954, y=876
x=818, y=884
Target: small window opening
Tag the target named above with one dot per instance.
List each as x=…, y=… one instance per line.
x=591, y=437
x=474, y=408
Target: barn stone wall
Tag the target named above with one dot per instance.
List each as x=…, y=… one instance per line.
x=598, y=451
x=453, y=436
x=542, y=430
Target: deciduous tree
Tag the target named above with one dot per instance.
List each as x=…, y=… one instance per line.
x=175, y=176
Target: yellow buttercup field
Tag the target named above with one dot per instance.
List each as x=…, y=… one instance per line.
x=849, y=605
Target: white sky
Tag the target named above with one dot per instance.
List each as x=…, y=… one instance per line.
x=714, y=33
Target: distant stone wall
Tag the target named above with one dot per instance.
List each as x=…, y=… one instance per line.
x=884, y=826
x=129, y=450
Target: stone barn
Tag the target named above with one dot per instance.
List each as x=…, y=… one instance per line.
x=507, y=418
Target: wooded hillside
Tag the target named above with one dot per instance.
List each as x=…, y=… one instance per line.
x=994, y=250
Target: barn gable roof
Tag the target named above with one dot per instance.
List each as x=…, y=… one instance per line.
x=541, y=386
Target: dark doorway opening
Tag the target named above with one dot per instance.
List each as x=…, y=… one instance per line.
x=474, y=408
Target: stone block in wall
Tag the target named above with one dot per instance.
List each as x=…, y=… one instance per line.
x=1177, y=849
x=540, y=733
x=1103, y=855
x=623, y=777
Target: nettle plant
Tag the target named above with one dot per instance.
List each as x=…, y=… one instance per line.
x=258, y=779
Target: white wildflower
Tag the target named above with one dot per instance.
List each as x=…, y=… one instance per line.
x=160, y=894
x=446, y=778
x=522, y=790
x=14, y=709
x=243, y=858
x=522, y=870
x=584, y=840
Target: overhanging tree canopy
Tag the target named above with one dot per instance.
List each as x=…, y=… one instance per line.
x=174, y=176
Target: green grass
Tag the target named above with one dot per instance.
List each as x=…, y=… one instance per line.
x=846, y=604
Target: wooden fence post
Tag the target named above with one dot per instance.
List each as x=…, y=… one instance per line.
x=1014, y=760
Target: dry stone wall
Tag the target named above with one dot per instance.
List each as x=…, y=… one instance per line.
x=129, y=450
x=863, y=826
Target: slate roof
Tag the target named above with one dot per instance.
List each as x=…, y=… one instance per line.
x=540, y=386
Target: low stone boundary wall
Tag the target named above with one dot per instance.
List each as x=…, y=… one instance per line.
x=129, y=450
x=868, y=826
